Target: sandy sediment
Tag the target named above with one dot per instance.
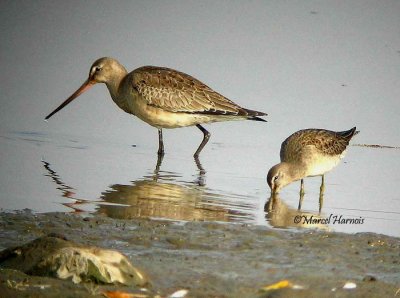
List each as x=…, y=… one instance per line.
x=212, y=259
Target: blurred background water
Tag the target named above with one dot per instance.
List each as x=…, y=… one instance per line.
x=330, y=65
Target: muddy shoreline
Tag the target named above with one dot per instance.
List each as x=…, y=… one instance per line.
x=211, y=259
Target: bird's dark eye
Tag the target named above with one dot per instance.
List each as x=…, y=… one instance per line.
x=97, y=68
x=276, y=178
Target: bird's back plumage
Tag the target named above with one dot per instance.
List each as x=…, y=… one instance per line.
x=320, y=141
x=176, y=91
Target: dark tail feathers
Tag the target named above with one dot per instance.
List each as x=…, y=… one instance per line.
x=348, y=134
x=252, y=115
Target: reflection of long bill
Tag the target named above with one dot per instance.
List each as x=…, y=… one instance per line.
x=85, y=86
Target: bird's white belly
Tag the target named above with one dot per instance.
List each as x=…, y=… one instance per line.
x=161, y=118
x=322, y=164
x=164, y=119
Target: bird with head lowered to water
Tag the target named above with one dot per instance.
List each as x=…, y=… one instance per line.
x=308, y=152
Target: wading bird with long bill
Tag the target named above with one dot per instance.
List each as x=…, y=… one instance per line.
x=163, y=98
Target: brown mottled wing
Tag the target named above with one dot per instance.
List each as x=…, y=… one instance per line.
x=323, y=141
x=178, y=92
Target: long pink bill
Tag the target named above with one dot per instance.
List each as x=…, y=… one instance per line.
x=85, y=86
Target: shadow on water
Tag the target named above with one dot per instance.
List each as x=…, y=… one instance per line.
x=159, y=194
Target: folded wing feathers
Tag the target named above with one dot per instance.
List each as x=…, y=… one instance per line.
x=178, y=92
x=325, y=141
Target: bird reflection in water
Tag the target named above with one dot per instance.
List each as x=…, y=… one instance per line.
x=280, y=215
x=67, y=191
x=160, y=195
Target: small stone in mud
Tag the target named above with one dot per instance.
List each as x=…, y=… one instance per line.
x=55, y=256
x=369, y=278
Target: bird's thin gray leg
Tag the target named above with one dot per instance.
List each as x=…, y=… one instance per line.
x=202, y=171
x=201, y=179
x=160, y=143
x=159, y=162
x=205, y=139
x=322, y=188
x=158, y=165
x=321, y=193
x=301, y=194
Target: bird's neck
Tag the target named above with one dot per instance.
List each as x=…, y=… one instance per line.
x=118, y=88
x=295, y=171
x=114, y=85
x=113, y=89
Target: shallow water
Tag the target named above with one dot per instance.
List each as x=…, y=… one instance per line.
x=74, y=173
x=314, y=64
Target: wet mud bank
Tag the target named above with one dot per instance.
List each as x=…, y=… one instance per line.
x=211, y=259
